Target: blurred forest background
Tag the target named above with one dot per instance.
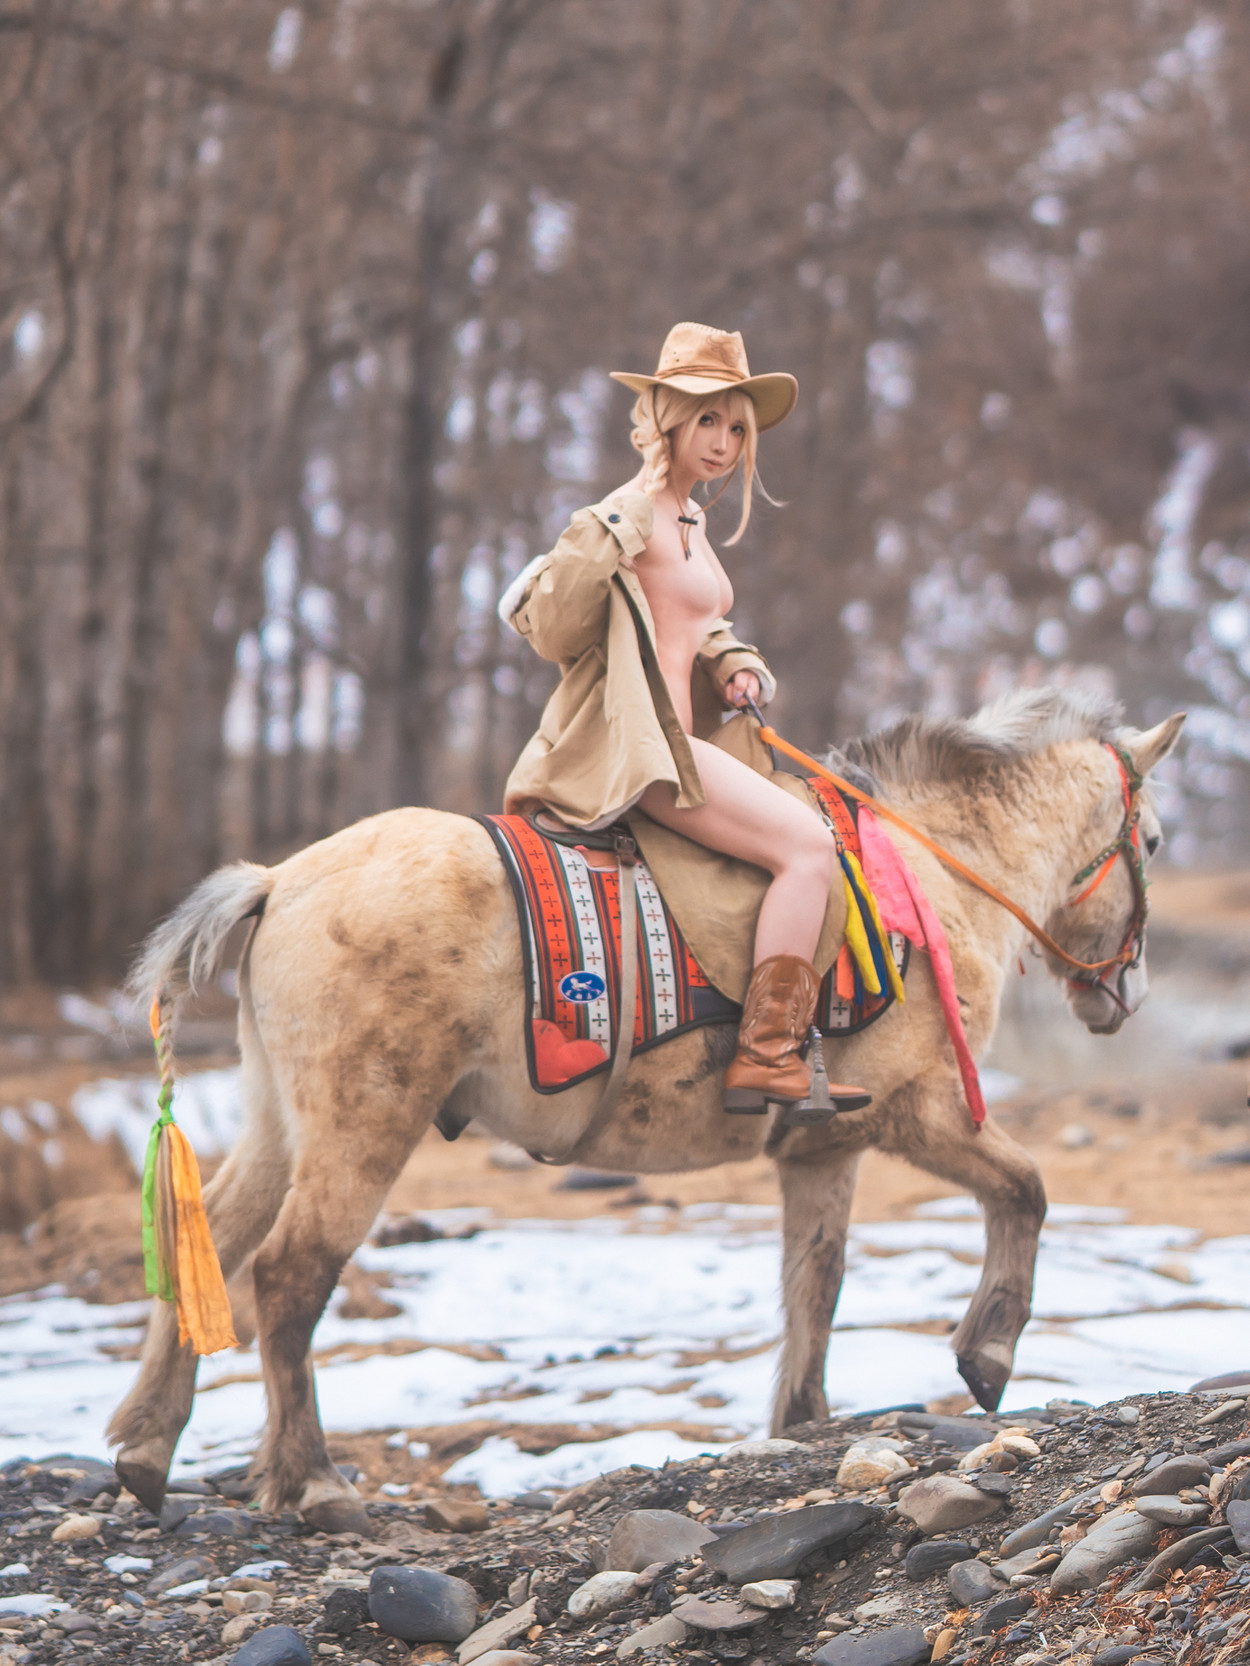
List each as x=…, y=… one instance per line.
x=305, y=318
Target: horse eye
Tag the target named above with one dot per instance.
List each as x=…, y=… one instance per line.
x=1153, y=842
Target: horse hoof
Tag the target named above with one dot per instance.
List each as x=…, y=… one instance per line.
x=985, y=1379
x=145, y=1480
x=339, y=1515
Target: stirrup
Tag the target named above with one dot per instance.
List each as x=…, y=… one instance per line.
x=819, y=1106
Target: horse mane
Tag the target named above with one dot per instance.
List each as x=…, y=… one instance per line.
x=961, y=749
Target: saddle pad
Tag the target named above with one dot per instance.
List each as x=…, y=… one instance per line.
x=570, y=923
x=570, y=919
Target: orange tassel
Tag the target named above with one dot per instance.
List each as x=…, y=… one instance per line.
x=199, y=1289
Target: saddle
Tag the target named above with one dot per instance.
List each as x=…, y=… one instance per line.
x=693, y=916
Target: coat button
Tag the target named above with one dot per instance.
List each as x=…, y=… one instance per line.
x=614, y=519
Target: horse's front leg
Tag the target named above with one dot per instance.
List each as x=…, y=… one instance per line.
x=1006, y=1182
x=817, y=1170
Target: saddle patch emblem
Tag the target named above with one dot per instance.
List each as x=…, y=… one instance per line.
x=582, y=987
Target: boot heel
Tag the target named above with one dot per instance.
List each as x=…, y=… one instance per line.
x=743, y=1102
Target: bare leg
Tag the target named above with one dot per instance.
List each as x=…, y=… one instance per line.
x=817, y=1188
x=1005, y=1180
x=748, y=817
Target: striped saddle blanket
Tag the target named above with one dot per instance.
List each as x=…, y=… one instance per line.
x=570, y=921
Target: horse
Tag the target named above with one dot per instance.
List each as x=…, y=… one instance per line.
x=382, y=982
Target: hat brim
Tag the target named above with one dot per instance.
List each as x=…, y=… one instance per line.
x=773, y=395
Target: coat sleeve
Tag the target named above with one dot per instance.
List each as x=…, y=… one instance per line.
x=721, y=655
x=559, y=604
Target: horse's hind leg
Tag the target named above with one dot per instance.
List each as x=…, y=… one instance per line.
x=1006, y=1182
x=341, y=1180
x=242, y=1202
x=818, y=1184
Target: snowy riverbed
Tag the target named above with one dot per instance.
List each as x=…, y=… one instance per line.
x=659, y=1320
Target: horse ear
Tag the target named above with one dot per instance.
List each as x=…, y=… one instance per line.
x=1150, y=748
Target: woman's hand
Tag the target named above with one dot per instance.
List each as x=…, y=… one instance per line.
x=741, y=687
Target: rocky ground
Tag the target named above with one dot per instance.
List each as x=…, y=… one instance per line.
x=1069, y=1534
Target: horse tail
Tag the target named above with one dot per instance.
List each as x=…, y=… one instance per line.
x=185, y=951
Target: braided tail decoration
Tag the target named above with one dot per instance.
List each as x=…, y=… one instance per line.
x=180, y=1264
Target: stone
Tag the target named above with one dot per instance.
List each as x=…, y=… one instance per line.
x=704, y=1614
x=773, y=1448
x=1185, y=1470
x=222, y=1524
x=246, y=1602
x=457, y=1515
x=871, y=1462
x=602, y=1594
x=1176, y=1555
x=1037, y=1531
x=178, y=1573
x=1128, y=1414
x=939, y=1504
x=1001, y=1614
x=345, y=1609
x=657, y=1635
x=419, y=1605
x=972, y=1582
x=1119, y=1654
x=501, y=1657
x=960, y=1432
x=878, y=1608
x=1037, y=1559
x=72, y=1528
x=534, y=1500
x=1237, y=1513
x=1170, y=1511
x=1110, y=1541
x=235, y=1630
x=899, y=1646
x=944, y=1642
x=642, y=1537
x=923, y=1561
x=499, y=1632
x=274, y=1646
x=770, y=1593
x=775, y=1547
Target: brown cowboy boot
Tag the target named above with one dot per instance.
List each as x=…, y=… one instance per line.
x=776, y=1017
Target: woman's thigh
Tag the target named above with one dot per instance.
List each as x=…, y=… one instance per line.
x=745, y=814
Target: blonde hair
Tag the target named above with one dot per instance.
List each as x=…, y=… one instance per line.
x=660, y=417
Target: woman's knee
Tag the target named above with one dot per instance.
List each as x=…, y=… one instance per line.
x=812, y=854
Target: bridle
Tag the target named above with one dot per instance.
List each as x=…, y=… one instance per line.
x=1127, y=842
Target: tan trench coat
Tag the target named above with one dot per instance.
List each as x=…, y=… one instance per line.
x=610, y=729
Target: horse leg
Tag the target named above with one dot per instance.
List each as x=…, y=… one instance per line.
x=1006, y=1182
x=242, y=1202
x=340, y=1184
x=817, y=1186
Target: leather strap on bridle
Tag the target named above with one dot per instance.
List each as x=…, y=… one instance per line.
x=1125, y=841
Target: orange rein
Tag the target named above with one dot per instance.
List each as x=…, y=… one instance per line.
x=1127, y=954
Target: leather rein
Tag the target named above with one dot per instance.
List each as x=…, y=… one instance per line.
x=1127, y=843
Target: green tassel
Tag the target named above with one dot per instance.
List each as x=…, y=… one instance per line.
x=157, y=1277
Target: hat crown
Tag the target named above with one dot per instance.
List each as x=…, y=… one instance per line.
x=699, y=349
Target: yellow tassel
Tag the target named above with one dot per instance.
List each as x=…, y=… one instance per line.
x=199, y=1288
x=857, y=939
x=180, y=1260
x=891, y=970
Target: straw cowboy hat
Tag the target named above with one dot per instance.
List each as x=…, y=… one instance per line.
x=699, y=359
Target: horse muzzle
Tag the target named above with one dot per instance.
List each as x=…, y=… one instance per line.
x=1103, y=1004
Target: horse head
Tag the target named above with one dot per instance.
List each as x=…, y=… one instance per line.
x=1102, y=917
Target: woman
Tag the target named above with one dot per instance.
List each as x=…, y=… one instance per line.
x=631, y=604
